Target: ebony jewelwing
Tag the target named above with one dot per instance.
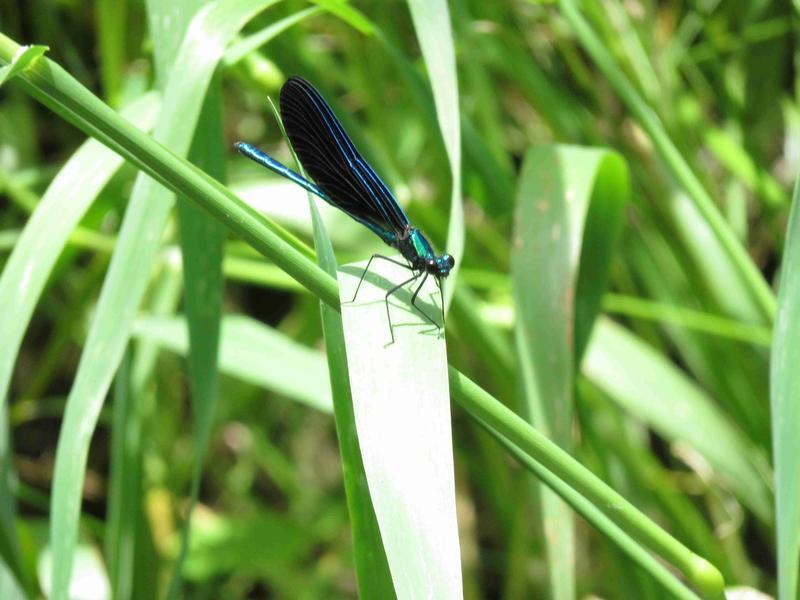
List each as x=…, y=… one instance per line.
x=344, y=179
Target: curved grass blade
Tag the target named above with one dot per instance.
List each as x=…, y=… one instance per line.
x=201, y=245
x=347, y=13
x=47, y=231
x=687, y=318
x=432, y=24
x=569, y=215
x=785, y=405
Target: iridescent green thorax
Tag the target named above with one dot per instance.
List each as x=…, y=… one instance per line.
x=421, y=246
x=417, y=250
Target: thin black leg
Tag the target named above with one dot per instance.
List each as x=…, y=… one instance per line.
x=414, y=302
x=386, y=301
x=369, y=262
x=440, y=285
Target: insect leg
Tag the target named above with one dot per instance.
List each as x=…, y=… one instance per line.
x=414, y=301
x=440, y=285
x=386, y=301
x=369, y=262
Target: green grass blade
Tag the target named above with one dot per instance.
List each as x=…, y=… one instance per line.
x=372, y=567
x=140, y=565
x=55, y=88
x=24, y=57
x=347, y=13
x=717, y=273
x=12, y=577
x=785, y=405
x=112, y=22
x=202, y=239
x=432, y=24
x=242, y=47
x=652, y=389
x=569, y=215
x=244, y=344
x=695, y=320
x=45, y=235
x=674, y=160
x=125, y=485
x=601, y=522
x=493, y=414
x=402, y=415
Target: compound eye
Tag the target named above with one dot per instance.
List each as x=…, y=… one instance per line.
x=450, y=261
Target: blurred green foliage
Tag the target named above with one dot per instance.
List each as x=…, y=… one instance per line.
x=271, y=520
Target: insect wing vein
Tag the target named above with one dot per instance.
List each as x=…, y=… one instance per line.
x=330, y=157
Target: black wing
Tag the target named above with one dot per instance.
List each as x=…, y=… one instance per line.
x=326, y=152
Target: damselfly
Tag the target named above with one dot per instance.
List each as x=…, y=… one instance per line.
x=345, y=180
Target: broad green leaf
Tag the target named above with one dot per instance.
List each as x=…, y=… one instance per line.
x=402, y=415
x=650, y=388
x=24, y=57
x=785, y=405
x=569, y=215
x=432, y=25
